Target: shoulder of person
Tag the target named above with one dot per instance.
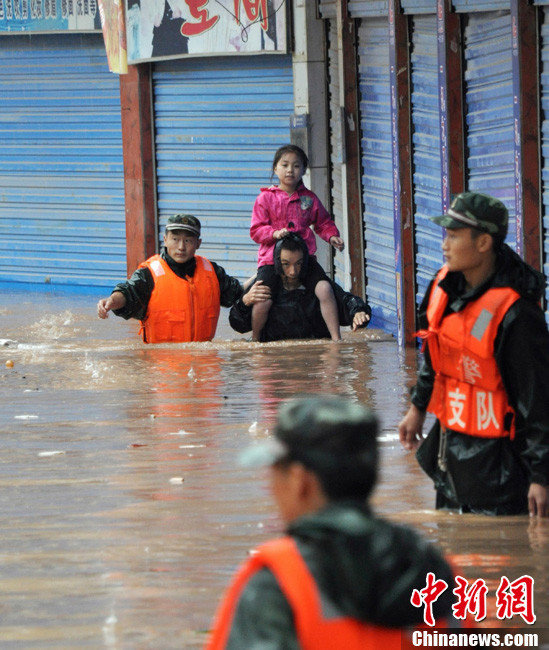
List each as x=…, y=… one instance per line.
x=217, y=267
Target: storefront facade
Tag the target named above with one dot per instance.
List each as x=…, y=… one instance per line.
x=399, y=103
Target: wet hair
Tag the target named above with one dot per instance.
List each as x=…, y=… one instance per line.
x=291, y=242
x=291, y=148
x=334, y=438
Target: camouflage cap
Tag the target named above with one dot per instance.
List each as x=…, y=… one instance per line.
x=475, y=210
x=184, y=222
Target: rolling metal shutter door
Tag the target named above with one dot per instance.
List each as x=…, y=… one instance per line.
x=61, y=171
x=327, y=8
x=544, y=83
x=377, y=170
x=426, y=151
x=342, y=273
x=218, y=123
x=489, y=109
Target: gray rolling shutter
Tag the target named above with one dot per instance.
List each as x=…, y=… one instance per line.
x=341, y=267
x=218, y=123
x=327, y=8
x=61, y=170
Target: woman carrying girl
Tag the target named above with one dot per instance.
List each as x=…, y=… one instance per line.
x=291, y=207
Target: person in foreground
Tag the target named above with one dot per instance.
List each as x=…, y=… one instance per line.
x=484, y=370
x=296, y=310
x=176, y=295
x=340, y=578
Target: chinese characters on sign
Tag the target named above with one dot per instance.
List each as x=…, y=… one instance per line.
x=49, y=15
x=171, y=28
x=512, y=598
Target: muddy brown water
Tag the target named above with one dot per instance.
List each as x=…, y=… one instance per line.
x=123, y=511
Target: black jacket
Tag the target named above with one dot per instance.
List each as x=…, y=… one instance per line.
x=139, y=287
x=365, y=568
x=296, y=314
x=494, y=474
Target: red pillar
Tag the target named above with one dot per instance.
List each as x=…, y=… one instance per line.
x=138, y=154
x=528, y=191
x=454, y=93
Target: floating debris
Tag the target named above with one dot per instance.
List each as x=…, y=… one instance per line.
x=25, y=417
x=9, y=363
x=47, y=454
x=253, y=427
x=176, y=480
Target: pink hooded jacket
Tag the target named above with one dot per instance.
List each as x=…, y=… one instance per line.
x=274, y=209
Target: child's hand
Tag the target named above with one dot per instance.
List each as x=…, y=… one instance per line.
x=338, y=243
x=278, y=234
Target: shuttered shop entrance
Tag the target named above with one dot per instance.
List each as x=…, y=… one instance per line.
x=377, y=175
x=218, y=123
x=61, y=173
x=489, y=108
x=426, y=150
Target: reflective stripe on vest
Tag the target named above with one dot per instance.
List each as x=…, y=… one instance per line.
x=468, y=393
x=181, y=309
x=314, y=632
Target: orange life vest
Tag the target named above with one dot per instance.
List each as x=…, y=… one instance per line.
x=468, y=394
x=314, y=632
x=181, y=309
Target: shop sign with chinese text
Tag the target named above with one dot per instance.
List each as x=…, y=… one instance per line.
x=163, y=29
x=20, y=16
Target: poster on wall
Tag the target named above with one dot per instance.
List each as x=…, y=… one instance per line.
x=114, y=34
x=49, y=16
x=161, y=29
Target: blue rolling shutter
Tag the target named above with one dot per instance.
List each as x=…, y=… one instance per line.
x=218, y=123
x=368, y=8
x=489, y=109
x=419, y=6
x=61, y=172
x=377, y=183
x=544, y=83
x=465, y=6
x=426, y=150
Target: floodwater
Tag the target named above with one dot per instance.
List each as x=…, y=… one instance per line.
x=123, y=511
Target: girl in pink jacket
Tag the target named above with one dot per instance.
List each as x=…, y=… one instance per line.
x=291, y=207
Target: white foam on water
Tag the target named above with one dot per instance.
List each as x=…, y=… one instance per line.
x=388, y=437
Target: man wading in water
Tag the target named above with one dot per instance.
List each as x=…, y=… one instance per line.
x=484, y=371
x=296, y=312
